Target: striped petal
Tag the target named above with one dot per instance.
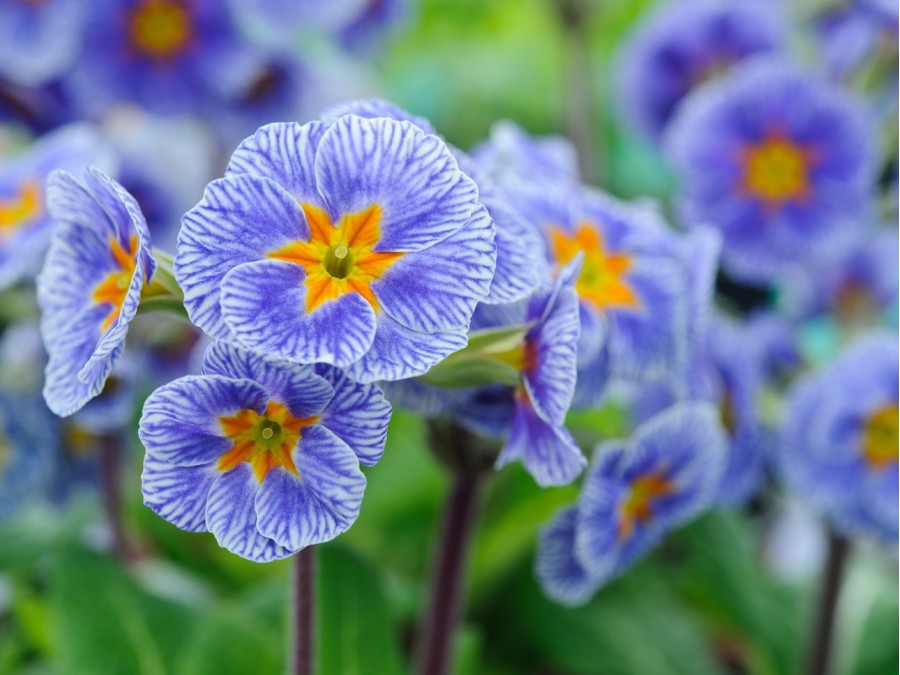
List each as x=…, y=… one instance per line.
x=178, y=493
x=558, y=570
x=239, y=219
x=180, y=424
x=375, y=107
x=437, y=288
x=398, y=352
x=284, y=152
x=521, y=259
x=318, y=503
x=413, y=177
x=263, y=303
x=551, y=381
x=548, y=452
x=297, y=387
x=231, y=516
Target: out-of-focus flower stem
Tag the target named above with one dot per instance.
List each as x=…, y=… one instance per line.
x=819, y=657
x=303, y=612
x=469, y=467
x=163, y=294
x=111, y=494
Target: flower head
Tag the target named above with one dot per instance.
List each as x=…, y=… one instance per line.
x=262, y=453
x=361, y=245
x=777, y=160
x=510, y=154
x=90, y=287
x=25, y=224
x=39, y=40
x=635, y=492
x=679, y=46
x=838, y=446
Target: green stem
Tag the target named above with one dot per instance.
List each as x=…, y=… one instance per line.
x=163, y=303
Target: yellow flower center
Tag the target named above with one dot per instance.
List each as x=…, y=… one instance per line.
x=22, y=209
x=263, y=441
x=638, y=506
x=602, y=281
x=160, y=29
x=880, y=437
x=339, y=260
x=776, y=171
x=114, y=286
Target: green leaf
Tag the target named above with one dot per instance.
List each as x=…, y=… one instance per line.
x=876, y=651
x=105, y=623
x=354, y=631
x=485, y=360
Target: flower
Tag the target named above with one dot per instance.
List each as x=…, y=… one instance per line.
x=838, y=443
x=262, y=453
x=25, y=225
x=361, y=245
x=634, y=493
x=510, y=153
x=851, y=32
x=90, y=287
x=168, y=56
x=679, y=46
x=39, y=40
x=777, y=160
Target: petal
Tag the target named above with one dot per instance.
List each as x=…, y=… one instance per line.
x=298, y=387
x=318, y=504
x=560, y=574
x=372, y=108
x=180, y=424
x=264, y=305
x=358, y=414
x=398, y=352
x=551, y=380
x=424, y=196
x=437, y=288
x=547, y=451
x=178, y=493
x=64, y=391
x=231, y=516
x=284, y=152
x=239, y=219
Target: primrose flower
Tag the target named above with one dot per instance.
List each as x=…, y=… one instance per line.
x=361, y=245
x=634, y=493
x=90, y=287
x=510, y=153
x=850, y=32
x=28, y=442
x=838, y=446
x=25, y=225
x=164, y=55
x=521, y=268
x=775, y=159
x=262, y=453
x=680, y=45
x=39, y=40
x=632, y=283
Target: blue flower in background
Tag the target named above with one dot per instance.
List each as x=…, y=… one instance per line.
x=510, y=153
x=90, y=287
x=853, y=31
x=25, y=225
x=39, y=41
x=680, y=45
x=168, y=56
x=839, y=438
x=28, y=442
x=361, y=245
x=779, y=161
x=262, y=453
x=634, y=494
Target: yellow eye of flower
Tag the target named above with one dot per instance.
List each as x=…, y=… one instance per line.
x=160, y=29
x=776, y=171
x=22, y=208
x=638, y=506
x=114, y=287
x=880, y=437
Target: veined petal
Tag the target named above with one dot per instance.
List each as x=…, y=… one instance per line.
x=319, y=503
x=263, y=303
x=178, y=493
x=284, y=152
x=240, y=219
x=375, y=107
x=558, y=570
x=298, y=387
x=180, y=424
x=358, y=414
x=231, y=516
x=413, y=177
x=398, y=352
x=547, y=451
x=437, y=288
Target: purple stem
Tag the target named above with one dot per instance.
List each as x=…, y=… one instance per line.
x=302, y=648
x=819, y=659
